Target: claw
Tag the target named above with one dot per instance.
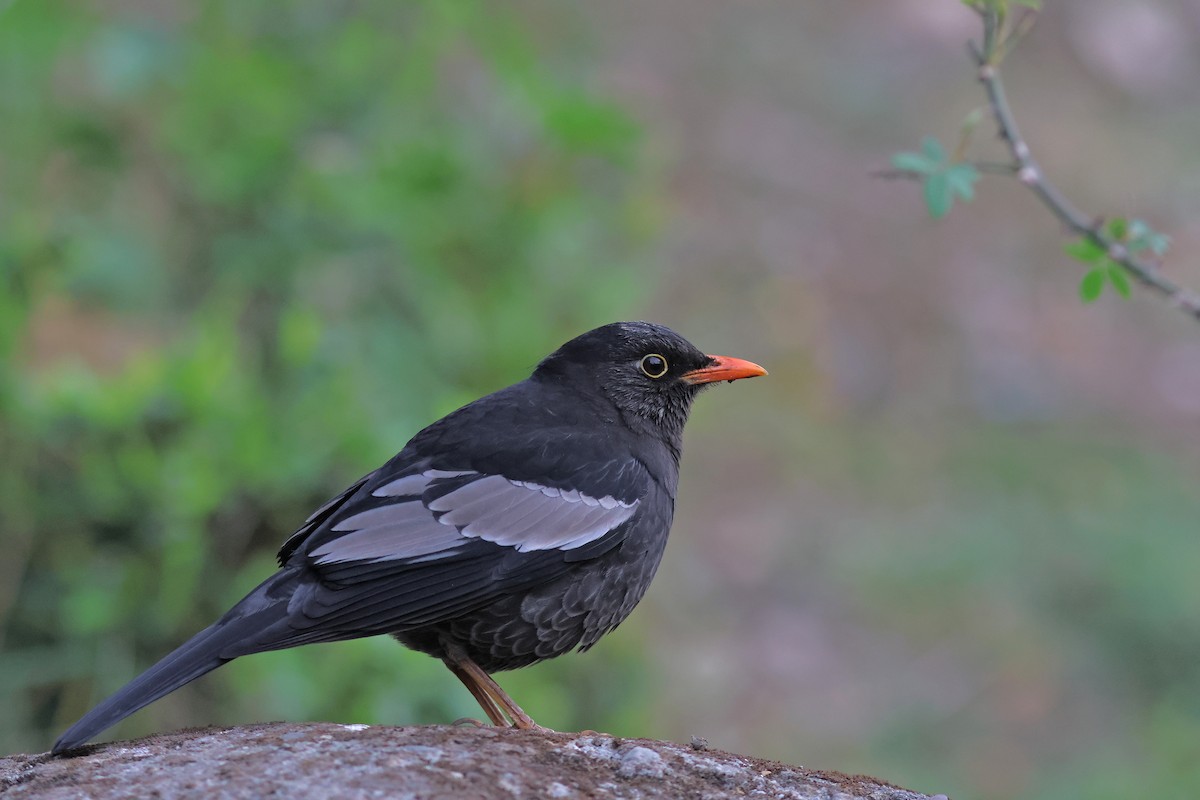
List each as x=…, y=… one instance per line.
x=469, y=721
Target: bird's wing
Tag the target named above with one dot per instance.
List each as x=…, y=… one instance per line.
x=318, y=518
x=435, y=514
x=417, y=547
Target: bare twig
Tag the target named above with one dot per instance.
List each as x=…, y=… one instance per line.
x=1029, y=172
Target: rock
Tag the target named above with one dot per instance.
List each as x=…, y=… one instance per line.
x=330, y=762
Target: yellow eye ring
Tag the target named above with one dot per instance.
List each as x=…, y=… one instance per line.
x=654, y=366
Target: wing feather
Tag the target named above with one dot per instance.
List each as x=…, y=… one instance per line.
x=433, y=514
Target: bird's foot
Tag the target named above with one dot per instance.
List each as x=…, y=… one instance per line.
x=469, y=721
x=500, y=708
x=529, y=725
x=522, y=725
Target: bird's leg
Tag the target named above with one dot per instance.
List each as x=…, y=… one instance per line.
x=494, y=701
x=481, y=696
x=496, y=696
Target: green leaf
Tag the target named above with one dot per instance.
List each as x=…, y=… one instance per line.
x=961, y=178
x=1085, y=251
x=939, y=197
x=933, y=150
x=1118, y=228
x=1119, y=280
x=1092, y=285
x=913, y=162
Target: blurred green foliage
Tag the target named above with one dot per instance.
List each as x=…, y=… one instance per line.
x=246, y=250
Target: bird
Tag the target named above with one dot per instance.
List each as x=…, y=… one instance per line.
x=520, y=527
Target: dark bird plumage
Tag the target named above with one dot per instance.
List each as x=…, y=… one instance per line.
x=522, y=526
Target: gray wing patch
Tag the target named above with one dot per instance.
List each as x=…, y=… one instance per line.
x=528, y=516
x=416, y=484
x=404, y=530
x=518, y=514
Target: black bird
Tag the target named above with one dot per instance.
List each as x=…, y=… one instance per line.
x=521, y=526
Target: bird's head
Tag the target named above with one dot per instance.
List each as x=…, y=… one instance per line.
x=649, y=372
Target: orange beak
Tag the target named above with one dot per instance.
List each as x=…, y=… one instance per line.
x=724, y=368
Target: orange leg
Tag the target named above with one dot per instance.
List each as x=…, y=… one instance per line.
x=485, y=702
x=494, y=701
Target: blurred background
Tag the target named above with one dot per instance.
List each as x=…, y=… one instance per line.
x=248, y=248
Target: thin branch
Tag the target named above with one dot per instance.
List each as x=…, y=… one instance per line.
x=1030, y=173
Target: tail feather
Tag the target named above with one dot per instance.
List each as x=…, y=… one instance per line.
x=245, y=629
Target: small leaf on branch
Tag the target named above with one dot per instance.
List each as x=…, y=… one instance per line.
x=1085, y=251
x=939, y=197
x=961, y=178
x=913, y=162
x=1119, y=280
x=1092, y=285
x=1118, y=228
x=933, y=150
x=942, y=180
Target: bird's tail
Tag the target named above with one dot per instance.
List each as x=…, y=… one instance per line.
x=249, y=627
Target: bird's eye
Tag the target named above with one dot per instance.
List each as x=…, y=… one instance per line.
x=654, y=366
